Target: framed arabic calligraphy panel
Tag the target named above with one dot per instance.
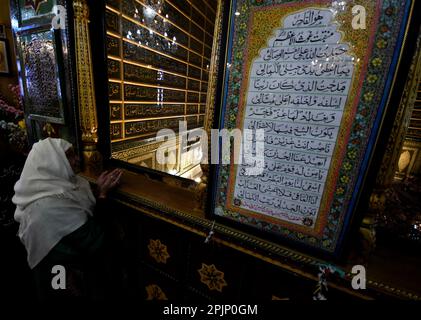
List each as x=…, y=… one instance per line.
x=315, y=82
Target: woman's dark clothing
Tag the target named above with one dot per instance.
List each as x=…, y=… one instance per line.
x=82, y=254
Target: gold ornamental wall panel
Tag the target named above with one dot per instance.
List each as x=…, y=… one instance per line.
x=159, y=55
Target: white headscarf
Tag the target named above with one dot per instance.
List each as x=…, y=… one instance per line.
x=51, y=201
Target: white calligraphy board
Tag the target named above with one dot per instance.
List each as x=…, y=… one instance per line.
x=297, y=91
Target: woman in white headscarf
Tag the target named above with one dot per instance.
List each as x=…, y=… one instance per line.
x=55, y=207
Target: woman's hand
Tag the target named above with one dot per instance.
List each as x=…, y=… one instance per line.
x=107, y=181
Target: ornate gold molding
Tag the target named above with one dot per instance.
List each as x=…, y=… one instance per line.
x=213, y=72
x=126, y=154
x=202, y=191
x=85, y=84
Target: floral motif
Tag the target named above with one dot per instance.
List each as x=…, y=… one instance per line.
x=155, y=293
x=158, y=251
x=368, y=97
x=381, y=44
x=352, y=154
x=345, y=179
x=212, y=277
x=347, y=166
x=372, y=78
x=326, y=243
x=376, y=62
x=12, y=124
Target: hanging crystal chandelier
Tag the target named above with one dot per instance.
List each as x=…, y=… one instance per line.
x=157, y=31
x=152, y=8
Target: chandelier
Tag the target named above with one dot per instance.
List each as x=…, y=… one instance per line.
x=156, y=32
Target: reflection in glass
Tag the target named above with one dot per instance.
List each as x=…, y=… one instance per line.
x=159, y=54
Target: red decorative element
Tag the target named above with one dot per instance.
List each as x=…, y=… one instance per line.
x=384, y=28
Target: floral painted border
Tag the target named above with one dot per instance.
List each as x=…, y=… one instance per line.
x=389, y=26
